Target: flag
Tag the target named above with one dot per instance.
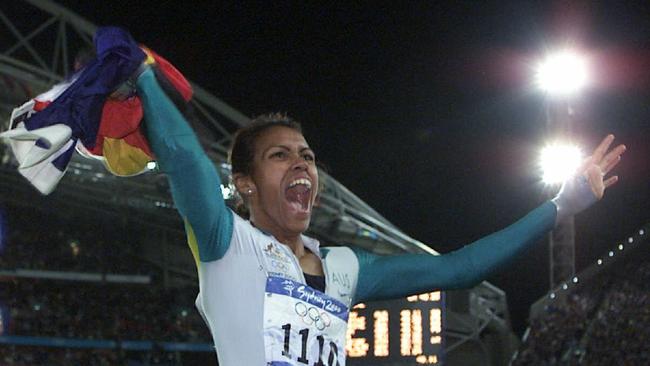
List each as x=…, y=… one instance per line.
x=95, y=112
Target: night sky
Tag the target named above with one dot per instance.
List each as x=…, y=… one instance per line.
x=425, y=109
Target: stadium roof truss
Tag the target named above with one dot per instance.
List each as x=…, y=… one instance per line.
x=39, y=53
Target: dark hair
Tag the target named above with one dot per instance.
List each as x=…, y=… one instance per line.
x=242, y=150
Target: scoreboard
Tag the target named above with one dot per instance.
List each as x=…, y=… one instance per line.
x=397, y=332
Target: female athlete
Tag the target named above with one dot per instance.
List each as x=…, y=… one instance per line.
x=269, y=294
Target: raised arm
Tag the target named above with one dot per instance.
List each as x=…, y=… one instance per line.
x=387, y=277
x=194, y=181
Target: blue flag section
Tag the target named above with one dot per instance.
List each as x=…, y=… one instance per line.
x=80, y=105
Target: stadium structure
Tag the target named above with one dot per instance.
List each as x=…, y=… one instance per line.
x=600, y=316
x=39, y=40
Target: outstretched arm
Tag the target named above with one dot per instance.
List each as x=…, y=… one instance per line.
x=194, y=181
x=387, y=277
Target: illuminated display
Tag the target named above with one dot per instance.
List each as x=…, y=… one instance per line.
x=356, y=347
x=397, y=332
x=416, y=332
x=381, y=333
x=405, y=332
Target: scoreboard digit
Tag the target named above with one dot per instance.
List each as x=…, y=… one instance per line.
x=406, y=331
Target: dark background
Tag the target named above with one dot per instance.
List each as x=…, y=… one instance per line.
x=426, y=109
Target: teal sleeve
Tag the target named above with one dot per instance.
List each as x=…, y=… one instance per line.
x=389, y=277
x=194, y=181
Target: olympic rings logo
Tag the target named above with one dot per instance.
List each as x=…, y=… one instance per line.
x=311, y=315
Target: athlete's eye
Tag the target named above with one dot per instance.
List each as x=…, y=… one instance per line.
x=309, y=157
x=279, y=154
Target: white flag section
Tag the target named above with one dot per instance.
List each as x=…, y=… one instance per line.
x=36, y=150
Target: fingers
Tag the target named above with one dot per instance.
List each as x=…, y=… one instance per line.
x=609, y=165
x=610, y=181
x=595, y=178
x=600, y=164
x=612, y=159
x=602, y=148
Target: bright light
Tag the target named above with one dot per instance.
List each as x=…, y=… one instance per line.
x=227, y=192
x=151, y=165
x=559, y=162
x=600, y=261
x=562, y=73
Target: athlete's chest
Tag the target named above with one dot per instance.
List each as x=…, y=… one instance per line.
x=279, y=260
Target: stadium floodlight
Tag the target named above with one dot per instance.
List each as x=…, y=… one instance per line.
x=562, y=73
x=559, y=162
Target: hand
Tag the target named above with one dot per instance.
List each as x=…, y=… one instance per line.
x=600, y=164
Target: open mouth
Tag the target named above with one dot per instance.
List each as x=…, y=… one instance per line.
x=298, y=193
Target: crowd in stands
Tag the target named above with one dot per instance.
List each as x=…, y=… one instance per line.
x=102, y=311
x=27, y=356
x=621, y=328
x=54, y=356
x=75, y=310
x=85, y=247
x=607, y=322
x=558, y=330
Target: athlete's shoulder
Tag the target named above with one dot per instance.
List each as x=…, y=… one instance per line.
x=337, y=251
x=246, y=238
x=342, y=271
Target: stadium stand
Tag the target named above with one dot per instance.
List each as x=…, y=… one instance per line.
x=604, y=321
x=58, y=308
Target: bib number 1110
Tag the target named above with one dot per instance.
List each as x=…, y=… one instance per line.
x=332, y=359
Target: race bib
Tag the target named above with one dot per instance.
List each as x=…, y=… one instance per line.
x=302, y=326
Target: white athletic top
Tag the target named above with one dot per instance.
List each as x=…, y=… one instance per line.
x=232, y=297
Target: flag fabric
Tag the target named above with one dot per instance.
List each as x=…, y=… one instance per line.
x=95, y=111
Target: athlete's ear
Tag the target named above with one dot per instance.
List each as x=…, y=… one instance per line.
x=244, y=184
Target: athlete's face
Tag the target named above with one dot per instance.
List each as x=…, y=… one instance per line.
x=284, y=182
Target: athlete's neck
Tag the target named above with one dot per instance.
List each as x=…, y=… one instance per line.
x=292, y=240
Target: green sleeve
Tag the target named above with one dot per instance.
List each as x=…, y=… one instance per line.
x=194, y=181
x=389, y=277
